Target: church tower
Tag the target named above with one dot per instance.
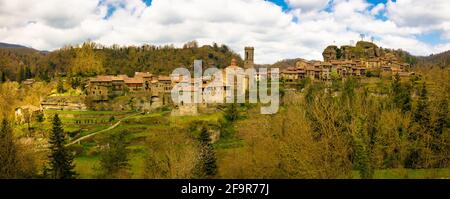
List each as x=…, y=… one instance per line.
x=249, y=57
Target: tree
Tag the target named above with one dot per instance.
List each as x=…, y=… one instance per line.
x=172, y=153
x=114, y=158
x=86, y=61
x=75, y=82
x=43, y=75
x=207, y=166
x=60, y=86
x=422, y=112
x=2, y=77
x=40, y=117
x=20, y=75
x=362, y=159
x=442, y=116
x=27, y=73
x=422, y=135
x=61, y=159
x=441, y=140
x=8, y=152
x=231, y=112
x=401, y=95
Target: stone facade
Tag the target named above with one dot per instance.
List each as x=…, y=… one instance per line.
x=249, y=60
x=70, y=103
x=346, y=61
x=26, y=113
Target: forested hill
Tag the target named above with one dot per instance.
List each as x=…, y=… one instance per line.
x=14, y=58
x=6, y=45
x=441, y=60
x=92, y=59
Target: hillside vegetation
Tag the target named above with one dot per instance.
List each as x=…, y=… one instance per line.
x=92, y=59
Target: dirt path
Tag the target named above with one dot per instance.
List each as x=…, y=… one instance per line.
x=101, y=131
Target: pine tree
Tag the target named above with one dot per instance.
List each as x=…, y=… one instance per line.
x=363, y=149
x=208, y=165
x=231, y=113
x=422, y=113
x=439, y=137
x=362, y=159
x=442, y=117
x=8, y=152
x=28, y=73
x=401, y=95
x=61, y=159
x=20, y=74
x=1, y=77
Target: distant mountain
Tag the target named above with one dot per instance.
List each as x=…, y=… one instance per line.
x=441, y=60
x=6, y=45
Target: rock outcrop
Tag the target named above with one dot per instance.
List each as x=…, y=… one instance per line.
x=362, y=50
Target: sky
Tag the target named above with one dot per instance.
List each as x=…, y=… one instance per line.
x=278, y=29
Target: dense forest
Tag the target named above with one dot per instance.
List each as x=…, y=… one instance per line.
x=91, y=59
x=441, y=60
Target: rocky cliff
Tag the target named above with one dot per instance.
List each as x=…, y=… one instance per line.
x=362, y=50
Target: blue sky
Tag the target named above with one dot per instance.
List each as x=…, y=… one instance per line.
x=301, y=28
x=431, y=37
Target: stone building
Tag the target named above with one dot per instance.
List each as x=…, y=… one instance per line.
x=26, y=114
x=347, y=61
x=249, y=59
x=71, y=103
x=293, y=74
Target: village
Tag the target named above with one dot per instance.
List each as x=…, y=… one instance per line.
x=153, y=91
x=142, y=106
x=204, y=90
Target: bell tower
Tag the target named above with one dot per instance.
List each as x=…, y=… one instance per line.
x=249, y=57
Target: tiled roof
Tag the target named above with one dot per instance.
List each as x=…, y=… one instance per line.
x=164, y=78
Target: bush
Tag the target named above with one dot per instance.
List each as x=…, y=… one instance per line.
x=77, y=149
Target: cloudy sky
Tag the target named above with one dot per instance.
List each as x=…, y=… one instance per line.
x=278, y=29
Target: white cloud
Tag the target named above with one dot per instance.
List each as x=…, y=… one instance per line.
x=417, y=13
x=238, y=23
x=307, y=5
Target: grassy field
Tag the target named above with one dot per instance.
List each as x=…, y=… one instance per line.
x=409, y=174
x=138, y=129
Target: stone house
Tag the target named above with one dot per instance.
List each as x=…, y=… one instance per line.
x=293, y=74
x=27, y=113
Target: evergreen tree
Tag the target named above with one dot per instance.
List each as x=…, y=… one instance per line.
x=231, y=112
x=20, y=74
x=115, y=157
x=363, y=141
x=439, y=135
x=2, y=77
x=61, y=159
x=44, y=76
x=28, y=73
x=362, y=159
x=208, y=166
x=8, y=152
x=442, y=117
x=60, y=86
x=422, y=113
x=401, y=95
